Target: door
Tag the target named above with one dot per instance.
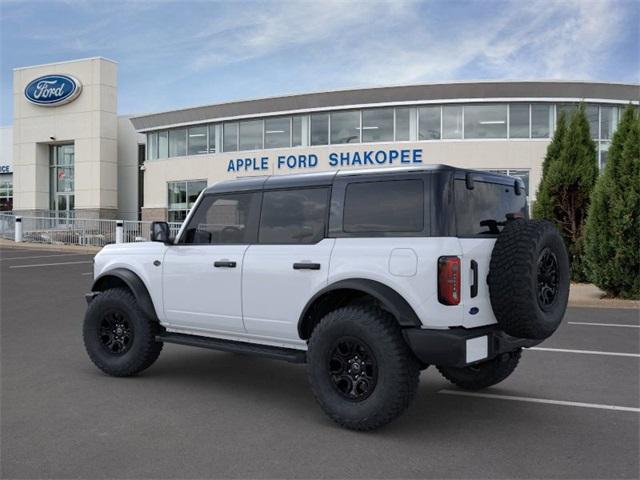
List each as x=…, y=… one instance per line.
x=289, y=263
x=202, y=273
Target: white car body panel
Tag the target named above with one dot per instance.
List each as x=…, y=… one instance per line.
x=274, y=294
x=478, y=249
x=199, y=296
x=139, y=258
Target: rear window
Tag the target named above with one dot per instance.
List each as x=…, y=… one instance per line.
x=390, y=206
x=483, y=210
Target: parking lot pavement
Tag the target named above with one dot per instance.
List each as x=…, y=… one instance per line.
x=203, y=414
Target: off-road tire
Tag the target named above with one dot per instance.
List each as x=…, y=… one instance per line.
x=483, y=375
x=397, y=369
x=143, y=349
x=514, y=278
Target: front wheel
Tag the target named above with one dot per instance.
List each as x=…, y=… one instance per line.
x=118, y=336
x=360, y=368
x=484, y=374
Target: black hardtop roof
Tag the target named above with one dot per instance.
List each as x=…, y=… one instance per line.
x=327, y=178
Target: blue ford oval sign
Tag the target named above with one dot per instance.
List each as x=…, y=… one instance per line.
x=53, y=90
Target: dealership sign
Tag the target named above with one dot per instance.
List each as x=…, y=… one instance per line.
x=53, y=90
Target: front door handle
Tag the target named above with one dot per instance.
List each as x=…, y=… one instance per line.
x=306, y=266
x=224, y=264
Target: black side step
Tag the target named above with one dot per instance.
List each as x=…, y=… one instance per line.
x=277, y=353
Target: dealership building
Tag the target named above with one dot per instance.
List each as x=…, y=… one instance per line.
x=70, y=152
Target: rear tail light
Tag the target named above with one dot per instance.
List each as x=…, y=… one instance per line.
x=449, y=280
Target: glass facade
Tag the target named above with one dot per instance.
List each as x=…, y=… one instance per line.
x=181, y=197
x=377, y=125
x=474, y=121
x=485, y=121
x=6, y=192
x=61, y=179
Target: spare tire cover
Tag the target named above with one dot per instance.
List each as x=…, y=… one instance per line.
x=529, y=278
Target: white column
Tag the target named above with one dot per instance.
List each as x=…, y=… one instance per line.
x=119, y=231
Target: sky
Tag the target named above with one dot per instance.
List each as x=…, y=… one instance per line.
x=176, y=54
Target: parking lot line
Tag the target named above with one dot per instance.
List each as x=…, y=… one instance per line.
x=540, y=400
x=50, y=264
x=604, y=324
x=588, y=352
x=44, y=256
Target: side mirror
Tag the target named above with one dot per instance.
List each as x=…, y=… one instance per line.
x=160, y=232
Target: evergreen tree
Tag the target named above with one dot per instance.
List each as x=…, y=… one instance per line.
x=612, y=236
x=543, y=207
x=570, y=181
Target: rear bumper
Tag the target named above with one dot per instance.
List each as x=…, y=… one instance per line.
x=459, y=347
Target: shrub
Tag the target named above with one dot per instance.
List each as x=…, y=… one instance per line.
x=612, y=236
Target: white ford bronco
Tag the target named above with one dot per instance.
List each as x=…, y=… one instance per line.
x=365, y=276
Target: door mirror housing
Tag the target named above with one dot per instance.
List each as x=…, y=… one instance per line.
x=160, y=232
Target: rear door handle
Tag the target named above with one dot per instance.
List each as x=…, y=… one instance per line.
x=474, y=272
x=224, y=264
x=306, y=266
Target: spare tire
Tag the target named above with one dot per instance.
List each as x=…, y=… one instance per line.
x=529, y=279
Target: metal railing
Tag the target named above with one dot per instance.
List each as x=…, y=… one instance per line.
x=7, y=226
x=77, y=231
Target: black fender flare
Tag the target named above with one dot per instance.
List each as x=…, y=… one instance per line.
x=387, y=296
x=135, y=284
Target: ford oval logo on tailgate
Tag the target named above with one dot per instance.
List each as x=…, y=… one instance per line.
x=53, y=90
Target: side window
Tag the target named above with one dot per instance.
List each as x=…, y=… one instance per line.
x=294, y=216
x=394, y=206
x=224, y=219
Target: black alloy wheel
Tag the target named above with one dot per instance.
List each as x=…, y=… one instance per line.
x=116, y=332
x=353, y=369
x=547, y=278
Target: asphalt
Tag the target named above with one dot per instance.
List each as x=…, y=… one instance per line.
x=203, y=414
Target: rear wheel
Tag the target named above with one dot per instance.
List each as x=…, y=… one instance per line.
x=485, y=374
x=360, y=369
x=118, y=336
x=529, y=279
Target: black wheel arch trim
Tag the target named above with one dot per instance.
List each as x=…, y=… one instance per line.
x=133, y=282
x=392, y=301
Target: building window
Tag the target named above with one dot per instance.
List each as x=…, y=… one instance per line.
x=178, y=142
x=152, y=146
x=163, y=144
x=592, y=116
x=541, y=120
x=608, y=122
x=320, y=129
x=251, y=135
x=519, y=120
x=230, y=137
x=452, y=121
x=6, y=192
x=296, y=131
x=181, y=197
x=403, y=124
x=197, y=140
x=212, y=138
x=429, y=123
x=377, y=125
x=485, y=121
x=604, y=153
x=61, y=184
x=345, y=127
x=277, y=132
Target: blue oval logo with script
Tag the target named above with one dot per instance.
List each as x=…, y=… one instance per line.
x=53, y=90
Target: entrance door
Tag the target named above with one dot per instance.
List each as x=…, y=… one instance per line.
x=289, y=263
x=202, y=273
x=62, y=181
